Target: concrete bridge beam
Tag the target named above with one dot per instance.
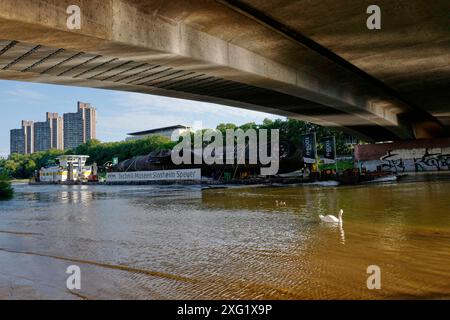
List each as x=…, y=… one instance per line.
x=119, y=35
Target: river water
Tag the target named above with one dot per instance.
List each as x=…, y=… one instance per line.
x=148, y=242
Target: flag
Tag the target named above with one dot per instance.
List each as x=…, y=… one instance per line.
x=309, y=147
x=329, y=150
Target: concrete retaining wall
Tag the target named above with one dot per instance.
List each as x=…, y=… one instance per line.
x=408, y=156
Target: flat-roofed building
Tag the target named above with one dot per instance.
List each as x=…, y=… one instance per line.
x=165, y=132
x=79, y=127
x=48, y=135
x=42, y=136
x=17, y=141
x=56, y=127
x=28, y=130
x=56, y=132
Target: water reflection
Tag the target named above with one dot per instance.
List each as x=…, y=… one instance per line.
x=247, y=243
x=342, y=232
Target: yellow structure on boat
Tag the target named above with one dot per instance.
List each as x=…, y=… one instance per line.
x=70, y=168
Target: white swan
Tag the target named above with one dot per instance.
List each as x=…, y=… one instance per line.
x=332, y=219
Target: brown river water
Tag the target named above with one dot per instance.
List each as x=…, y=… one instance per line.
x=148, y=242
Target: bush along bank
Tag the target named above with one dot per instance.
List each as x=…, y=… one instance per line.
x=6, y=191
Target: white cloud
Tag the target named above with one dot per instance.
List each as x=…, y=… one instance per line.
x=22, y=92
x=146, y=102
x=137, y=112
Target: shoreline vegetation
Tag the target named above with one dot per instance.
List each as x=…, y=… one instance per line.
x=6, y=190
x=19, y=181
x=19, y=166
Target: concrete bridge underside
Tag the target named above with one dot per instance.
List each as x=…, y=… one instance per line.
x=309, y=60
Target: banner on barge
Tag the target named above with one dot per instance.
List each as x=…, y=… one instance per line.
x=159, y=175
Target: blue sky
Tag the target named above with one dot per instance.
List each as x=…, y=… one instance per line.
x=118, y=112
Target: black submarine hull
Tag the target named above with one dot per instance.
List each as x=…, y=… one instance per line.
x=291, y=159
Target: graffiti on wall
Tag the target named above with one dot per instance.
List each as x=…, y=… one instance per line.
x=411, y=160
x=436, y=161
x=392, y=162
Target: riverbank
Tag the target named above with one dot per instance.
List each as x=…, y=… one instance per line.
x=20, y=181
x=273, y=181
x=428, y=176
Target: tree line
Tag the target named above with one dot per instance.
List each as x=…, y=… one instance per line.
x=19, y=166
x=23, y=166
x=291, y=130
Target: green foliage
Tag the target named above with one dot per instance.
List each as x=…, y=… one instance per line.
x=342, y=165
x=224, y=126
x=23, y=166
x=6, y=191
x=102, y=153
x=291, y=130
